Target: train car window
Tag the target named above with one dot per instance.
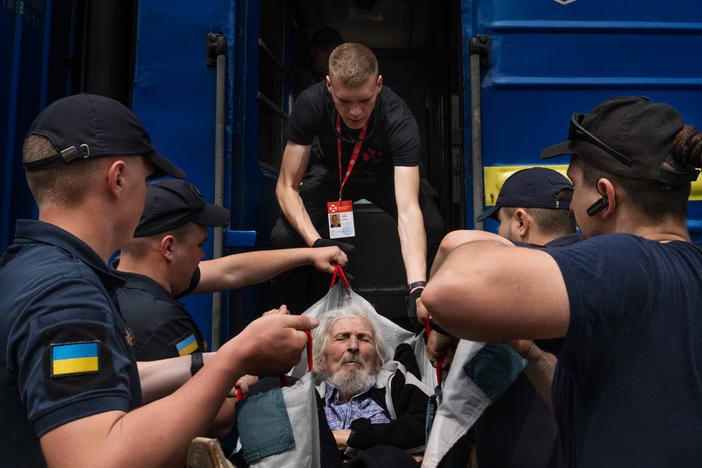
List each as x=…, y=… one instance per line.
x=272, y=78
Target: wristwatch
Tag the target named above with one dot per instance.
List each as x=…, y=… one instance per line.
x=196, y=362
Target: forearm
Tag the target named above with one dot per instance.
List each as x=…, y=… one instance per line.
x=413, y=243
x=539, y=370
x=455, y=238
x=293, y=209
x=486, y=291
x=237, y=271
x=157, y=434
x=163, y=377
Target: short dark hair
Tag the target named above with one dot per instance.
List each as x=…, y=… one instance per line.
x=550, y=221
x=137, y=247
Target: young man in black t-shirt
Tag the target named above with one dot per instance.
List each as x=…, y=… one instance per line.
x=362, y=141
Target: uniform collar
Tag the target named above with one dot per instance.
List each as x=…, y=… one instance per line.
x=145, y=283
x=35, y=231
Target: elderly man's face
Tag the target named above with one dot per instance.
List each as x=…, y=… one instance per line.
x=349, y=340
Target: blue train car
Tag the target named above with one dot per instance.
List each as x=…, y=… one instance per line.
x=491, y=82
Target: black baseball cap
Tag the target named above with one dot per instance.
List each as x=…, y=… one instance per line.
x=628, y=136
x=535, y=187
x=171, y=203
x=86, y=126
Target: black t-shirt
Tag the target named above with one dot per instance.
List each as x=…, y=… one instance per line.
x=393, y=135
x=627, y=390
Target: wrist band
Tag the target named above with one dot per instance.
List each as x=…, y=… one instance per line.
x=416, y=284
x=196, y=362
x=436, y=328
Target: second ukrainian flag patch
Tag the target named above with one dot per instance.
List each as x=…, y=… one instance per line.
x=187, y=345
x=75, y=358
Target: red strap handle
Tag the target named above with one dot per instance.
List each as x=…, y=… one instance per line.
x=340, y=271
x=440, y=362
x=283, y=379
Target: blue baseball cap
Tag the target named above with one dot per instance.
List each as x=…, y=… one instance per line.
x=535, y=187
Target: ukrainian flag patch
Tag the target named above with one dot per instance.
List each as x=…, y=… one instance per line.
x=75, y=358
x=187, y=345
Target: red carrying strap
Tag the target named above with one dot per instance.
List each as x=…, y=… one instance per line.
x=439, y=362
x=340, y=271
x=283, y=379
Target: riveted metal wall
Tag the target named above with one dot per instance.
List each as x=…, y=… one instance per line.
x=552, y=57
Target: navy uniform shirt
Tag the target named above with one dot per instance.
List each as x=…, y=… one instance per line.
x=162, y=327
x=65, y=351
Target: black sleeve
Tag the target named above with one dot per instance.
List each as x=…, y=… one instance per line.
x=305, y=120
x=405, y=355
x=404, y=141
x=163, y=342
x=405, y=432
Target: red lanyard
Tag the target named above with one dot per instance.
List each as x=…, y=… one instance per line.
x=354, y=155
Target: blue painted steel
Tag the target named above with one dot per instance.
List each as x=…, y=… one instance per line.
x=174, y=96
x=239, y=238
x=21, y=62
x=11, y=126
x=45, y=48
x=548, y=60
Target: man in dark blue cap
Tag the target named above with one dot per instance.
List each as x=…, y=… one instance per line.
x=72, y=393
x=533, y=209
x=627, y=388
x=163, y=263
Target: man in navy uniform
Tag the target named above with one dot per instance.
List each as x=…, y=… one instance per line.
x=71, y=391
x=163, y=263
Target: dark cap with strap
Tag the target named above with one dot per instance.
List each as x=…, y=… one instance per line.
x=172, y=203
x=628, y=136
x=87, y=126
x=535, y=187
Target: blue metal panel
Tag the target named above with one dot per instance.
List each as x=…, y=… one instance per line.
x=23, y=25
x=549, y=59
x=174, y=96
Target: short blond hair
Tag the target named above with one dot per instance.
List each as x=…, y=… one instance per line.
x=352, y=64
x=65, y=184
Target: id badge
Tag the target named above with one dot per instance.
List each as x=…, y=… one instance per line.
x=340, y=218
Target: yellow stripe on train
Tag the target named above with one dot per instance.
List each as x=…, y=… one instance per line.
x=495, y=176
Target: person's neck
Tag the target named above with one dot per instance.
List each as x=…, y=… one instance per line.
x=539, y=238
x=662, y=230
x=146, y=266
x=88, y=223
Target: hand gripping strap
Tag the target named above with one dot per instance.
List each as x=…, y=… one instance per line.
x=283, y=379
x=340, y=271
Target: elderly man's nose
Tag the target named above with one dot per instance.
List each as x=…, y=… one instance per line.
x=352, y=343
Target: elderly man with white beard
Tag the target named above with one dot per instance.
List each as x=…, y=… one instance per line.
x=368, y=399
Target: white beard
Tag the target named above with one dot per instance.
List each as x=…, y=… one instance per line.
x=352, y=380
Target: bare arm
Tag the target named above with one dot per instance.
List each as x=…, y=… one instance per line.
x=455, y=238
x=410, y=223
x=487, y=291
x=159, y=433
x=540, y=367
x=287, y=190
x=236, y=271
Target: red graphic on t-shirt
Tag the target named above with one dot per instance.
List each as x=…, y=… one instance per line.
x=372, y=156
